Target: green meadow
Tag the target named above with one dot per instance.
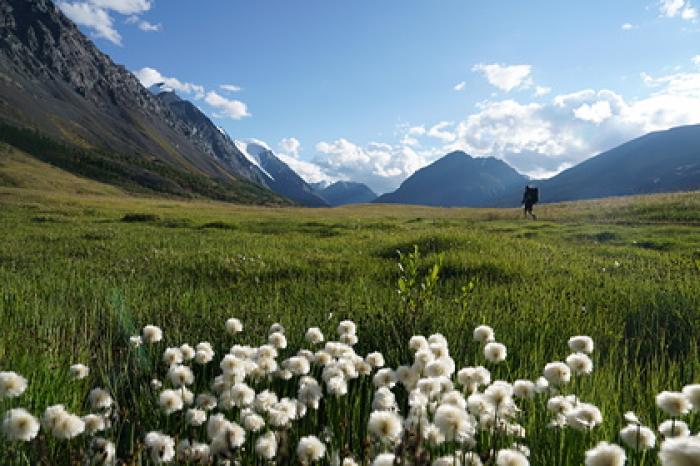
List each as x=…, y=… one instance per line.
x=84, y=266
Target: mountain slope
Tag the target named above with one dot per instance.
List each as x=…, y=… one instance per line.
x=54, y=80
x=278, y=175
x=347, y=192
x=457, y=180
x=658, y=162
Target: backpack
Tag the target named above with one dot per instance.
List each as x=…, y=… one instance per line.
x=534, y=195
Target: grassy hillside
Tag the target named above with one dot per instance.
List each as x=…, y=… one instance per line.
x=81, y=273
x=134, y=173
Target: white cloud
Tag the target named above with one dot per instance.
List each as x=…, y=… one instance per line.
x=124, y=7
x=95, y=15
x=227, y=108
x=230, y=87
x=628, y=27
x=670, y=8
x=438, y=131
x=290, y=146
x=596, y=112
x=460, y=86
x=682, y=8
x=696, y=60
x=541, y=91
x=309, y=171
x=150, y=76
x=92, y=17
x=505, y=77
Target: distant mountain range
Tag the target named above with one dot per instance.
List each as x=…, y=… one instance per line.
x=345, y=192
x=66, y=103
x=455, y=180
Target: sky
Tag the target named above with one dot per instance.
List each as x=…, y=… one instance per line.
x=370, y=91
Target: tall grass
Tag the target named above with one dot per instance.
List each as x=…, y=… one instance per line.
x=76, y=282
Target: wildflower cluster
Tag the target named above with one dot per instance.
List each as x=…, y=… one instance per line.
x=427, y=411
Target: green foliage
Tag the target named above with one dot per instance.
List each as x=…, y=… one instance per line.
x=76, y=281
x=133, y=172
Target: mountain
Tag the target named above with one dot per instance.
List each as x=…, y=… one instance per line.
x=278, y=176
x=663, y=161
x=346, y=192
x=54, y=81
x=457, y=180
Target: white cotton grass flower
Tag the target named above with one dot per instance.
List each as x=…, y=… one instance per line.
x=276, y=328
x=675, y=404
x=384, y=459
x=230, y=438
x=638, y=437
x=580, y=363
x=51, y=416
x=135, y=341
x=100, y=399
x=151, y=334
x=156, y=384
x=187, y=352
x=584, y=416
x=692, y=392
x=581, y=344
x=266, y=446
x=557, y=373
x=384, y=400
x=605, y=454
x=102, y=451
x=680, y=451
x=385, y=425
x=79, y=371
x=385, y=378
x=170, y=401
x=347, y=327
x=278, y=340
x=180, y=376
x=523, y=389
x=67, y=426
x=233, y=326
x=19, y=425
x=297, y=365
x=206, y=401
x=560, y=404
x=511, y=457
x=495, y=352
x=541, y=385
x=453, y=422
x=196, y=417
x=242, y=395
x=12, y=384
x=632, y=418
x=161, y=447
x=94, y=423
x=349, y=462
x=314, y=336
x=432, y=434
x=484, y=334
x=172, y=356
x=310, y=449
x=253, y=422
x=375, y=359
x=418, y=342
x=204, y=353
x=674, y=428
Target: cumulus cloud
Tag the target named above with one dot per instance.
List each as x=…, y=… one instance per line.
x=439, y=131
x=541, y=91
x=505, y=77
x=628, y=27
x=230, y=87
x=226, y=108
x=290, y=146
x=674, y=8
x=459, y=87
x=596, y=112
x=150, y=76
x=96, y=16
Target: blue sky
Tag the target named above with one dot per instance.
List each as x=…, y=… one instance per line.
x=372, y=90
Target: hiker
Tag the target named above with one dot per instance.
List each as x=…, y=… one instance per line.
x=530, y=197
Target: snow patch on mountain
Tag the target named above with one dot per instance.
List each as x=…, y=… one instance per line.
x=251, y=149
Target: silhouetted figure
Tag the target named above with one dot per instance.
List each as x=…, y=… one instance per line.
x=530, y=197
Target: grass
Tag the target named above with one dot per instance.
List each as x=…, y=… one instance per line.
x=77, y=278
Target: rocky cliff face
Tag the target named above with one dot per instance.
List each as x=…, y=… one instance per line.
x=54, y=79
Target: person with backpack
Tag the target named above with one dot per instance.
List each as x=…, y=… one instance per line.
x=531, y=196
